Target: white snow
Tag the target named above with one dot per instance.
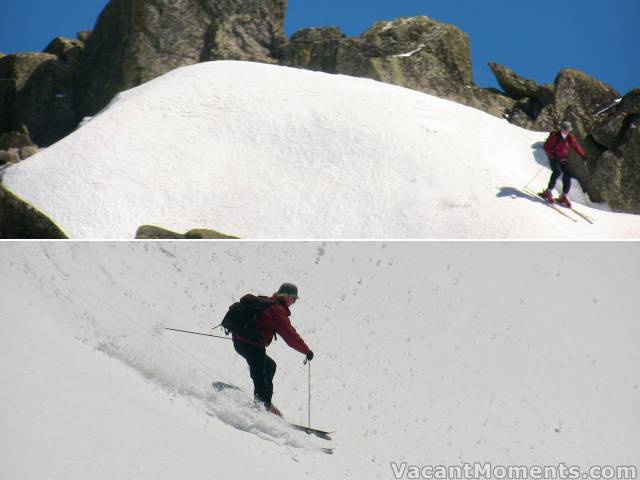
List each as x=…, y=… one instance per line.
x=261, y=151
x=433, y=353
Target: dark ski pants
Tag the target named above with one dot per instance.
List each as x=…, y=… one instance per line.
x=560, y=168
x=261, y=367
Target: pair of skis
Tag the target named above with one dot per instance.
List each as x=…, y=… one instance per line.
x=324, y=435
x=312, y=431
x=557, y=208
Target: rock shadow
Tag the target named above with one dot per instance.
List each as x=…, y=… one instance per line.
x=539, y=154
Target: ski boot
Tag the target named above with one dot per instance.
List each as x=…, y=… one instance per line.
x=564, y=201
x=547, y=195
x=268, y=407
x=271, y=408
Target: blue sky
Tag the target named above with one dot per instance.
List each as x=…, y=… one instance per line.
x=534, y=38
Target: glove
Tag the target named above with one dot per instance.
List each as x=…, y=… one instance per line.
x=310, y=356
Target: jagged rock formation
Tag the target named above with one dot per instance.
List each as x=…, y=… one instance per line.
x=137, y=40
x=574, y=96
x=607, y=129
x=67, y=50
x=530, y=97
x=616, y=173
x=418, y=53
x=16, y=146
x=20, y=220
x=148, y=232
x=36, y=91
x=37, y=96
x=314, y=49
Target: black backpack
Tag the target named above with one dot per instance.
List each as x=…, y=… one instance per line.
x=241, y=317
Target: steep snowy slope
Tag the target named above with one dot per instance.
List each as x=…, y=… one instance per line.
x=260, y=151
x=435, y=353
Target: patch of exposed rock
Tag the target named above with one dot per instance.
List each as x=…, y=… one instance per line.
x=418, y=53
x=36, y=92
x=19, y=220
x=152, y=232
x=616, y=173
x=16, y=146
x=137, y=40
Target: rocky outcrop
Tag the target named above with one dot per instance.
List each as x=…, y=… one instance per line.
x=578, y=97
x=616, y=119
x=606, y=127
x=488, y=100
x=520, y=88
x=9, y=156
x=16, y=146
x=84, y=35
x=418, y=53
x=153, y=232
x=7, y=95
x=67, y=50
x=616, y=173
x=137, y=40
x=530, y=98
x=314, y=49
x=134, y=41
x=204, y=234
x=574, y=96
x=20, y=220
x=36, y=91
x=15, y=140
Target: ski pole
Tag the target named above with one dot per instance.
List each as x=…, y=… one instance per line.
x=309, y=417
x=197, y=333
x=534, y=177
x=306, y=361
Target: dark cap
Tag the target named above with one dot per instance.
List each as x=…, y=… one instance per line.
x=288, y=289
x=566, y=126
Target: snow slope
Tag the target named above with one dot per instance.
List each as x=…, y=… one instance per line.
x=261, y=151
x=429, y=353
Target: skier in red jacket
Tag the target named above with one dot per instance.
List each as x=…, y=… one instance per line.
x=274, y=319
x=557, y=147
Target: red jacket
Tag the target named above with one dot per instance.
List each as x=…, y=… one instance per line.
x=558, y=148
x=275, y=319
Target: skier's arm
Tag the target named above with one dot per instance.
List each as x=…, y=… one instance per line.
x=289, y=334
x=576, y=146
x=549, y=145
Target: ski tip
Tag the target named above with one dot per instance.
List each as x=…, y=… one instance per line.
x=221, y=386
x=312, y=431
